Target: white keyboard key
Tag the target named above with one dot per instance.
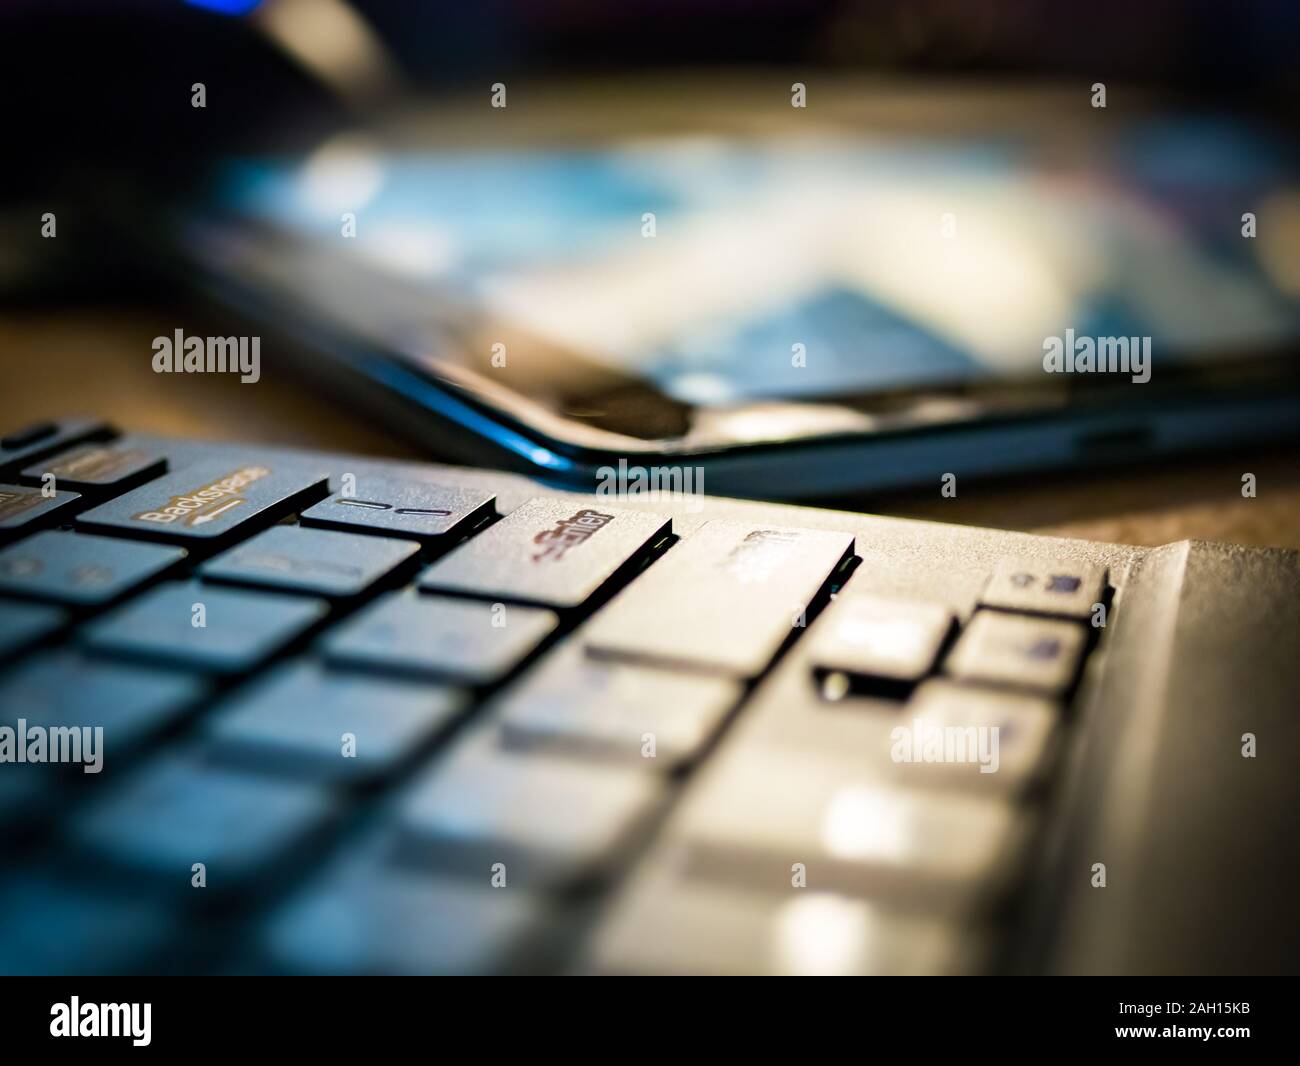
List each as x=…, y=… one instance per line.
x=1020, y=652
x=651, y=718
x=664, y=926
x=849, y=830
x=723, y=600
x=1067, y=589
x=877, y=637
x=966, y=737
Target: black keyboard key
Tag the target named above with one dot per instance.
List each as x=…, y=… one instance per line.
x=373, y=919
x=240, y=628
x=299, y=722
x=98, y=468
x=209, y=501
x=415, y=509
x=438, y=637
x=24, y=624
x=50, y=927
x=80, y=569
x=179, y=811
x=29, y=435
x=365, y=919
x=321, y=561
x=25, y=446
x=723, y=600
x=556, y=553
x=131, y=703
x=22, y=507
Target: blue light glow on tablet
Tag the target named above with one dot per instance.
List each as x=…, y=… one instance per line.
x=225, y=7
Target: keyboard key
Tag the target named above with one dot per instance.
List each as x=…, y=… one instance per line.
x=50, y=927
x=25, y=446
x=23, y=507
x=757, y=816
x=24, y=624
x=295, y=722
x=977, y=738
x=99, y=468
x=723, y=599
x=550, y=821
x=667, y=927
x=179, y=811
x=551, y=552
x=81, y=569
x=130, y=703
x=209, y=501
x=575, y=705
x=865, y=636
x=241, y=628
x=1007, y=649
x=383, y=921
x=1067, y=589
x=414, y=509
x=438, y=637
x=29, y=435
x=322, y=561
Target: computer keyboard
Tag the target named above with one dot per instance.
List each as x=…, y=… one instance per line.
x=388, y=717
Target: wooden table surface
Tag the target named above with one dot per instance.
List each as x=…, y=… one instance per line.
x=97, y=361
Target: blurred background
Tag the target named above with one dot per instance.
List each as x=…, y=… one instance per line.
x=101, y=131
x=97, y=101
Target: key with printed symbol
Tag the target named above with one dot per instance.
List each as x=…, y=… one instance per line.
x=321, y=561
x=209, y=501
x=81, y=569
x=414, y=509
x=1018, y=651
x=23, y=507
x=722, y=600
x=1069, y=590
x=555, y=553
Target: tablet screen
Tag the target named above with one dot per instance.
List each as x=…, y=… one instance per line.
x=722, y=271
